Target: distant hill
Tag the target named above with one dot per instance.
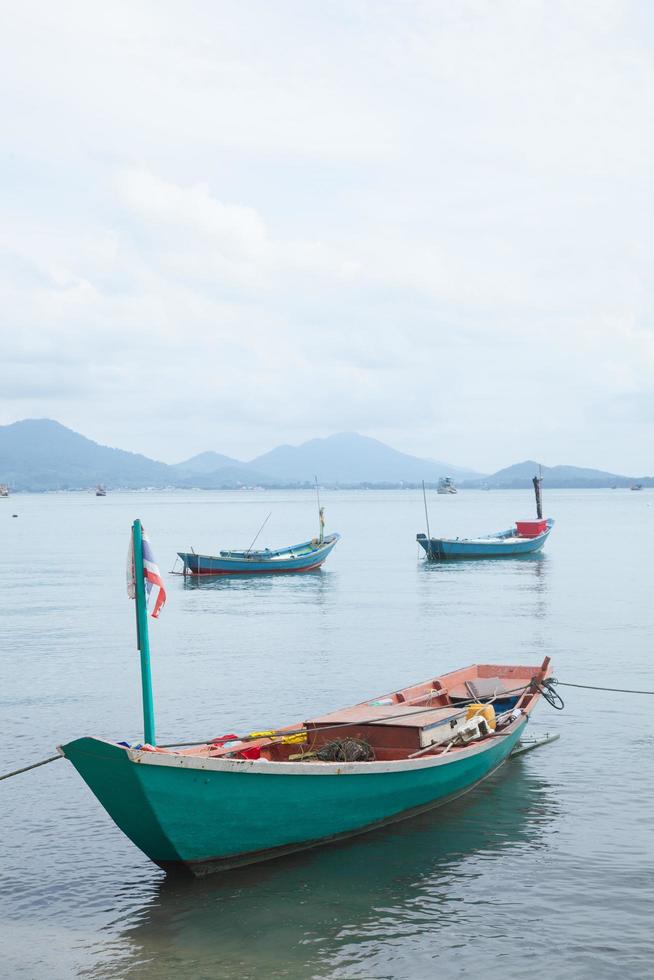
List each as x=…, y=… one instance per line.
x=40, y=454
x=520, y=476
x=238, y=475
x=351, y=458
x=206, y=463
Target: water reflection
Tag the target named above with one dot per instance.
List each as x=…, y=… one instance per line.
x=518, y=584
x=251, y=582
x=310, y=914
x=537, y=560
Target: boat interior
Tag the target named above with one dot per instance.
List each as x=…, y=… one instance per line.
x=441, y=715
x=292, y=551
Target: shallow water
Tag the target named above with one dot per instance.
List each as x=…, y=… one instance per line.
x=547, y=866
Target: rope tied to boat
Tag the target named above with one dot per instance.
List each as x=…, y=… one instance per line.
x=546, y=690
x=595, y=687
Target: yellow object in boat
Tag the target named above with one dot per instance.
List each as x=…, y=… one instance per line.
x=261, y=734
x=298, y=737
x=487, y=711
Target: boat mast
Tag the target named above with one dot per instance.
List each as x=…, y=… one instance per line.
x=142, y=637
x=424, y=497
x=321, y=514
x=537, y=482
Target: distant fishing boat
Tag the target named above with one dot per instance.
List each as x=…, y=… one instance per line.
x=445, y=485
x=100, y=491
x=526, y=537
x=636, y=486
x=237, y=800
x=304, y=557
x=4, y=490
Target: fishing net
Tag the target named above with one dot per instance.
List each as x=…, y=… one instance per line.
x=346, y=750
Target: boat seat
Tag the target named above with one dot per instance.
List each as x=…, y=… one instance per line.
x=485, y=687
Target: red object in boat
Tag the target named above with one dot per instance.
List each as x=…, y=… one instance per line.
x=221, y=739
x=530, y=529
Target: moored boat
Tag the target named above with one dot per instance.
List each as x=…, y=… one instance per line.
x=304, y=557
x=239, y=800
x=445, y=485
x=636, y=486
x=100, y=491
x=524, y=538
x=4, y=490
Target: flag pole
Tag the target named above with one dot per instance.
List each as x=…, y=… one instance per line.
x=142, y=638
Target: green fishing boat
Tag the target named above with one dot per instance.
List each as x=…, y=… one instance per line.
x=240, y=799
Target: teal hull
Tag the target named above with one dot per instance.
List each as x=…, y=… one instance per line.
x=207, y=815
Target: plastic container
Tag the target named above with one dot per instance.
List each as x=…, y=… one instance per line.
x=530, y=529
x=487, y=711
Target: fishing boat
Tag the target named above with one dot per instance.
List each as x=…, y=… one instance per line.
x=4, y=490
x=100, y=491
x=524, y=538
x=445, y=485
x=636, y=486
x=304, y=557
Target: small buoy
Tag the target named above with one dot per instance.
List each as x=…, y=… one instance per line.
x=14, y=515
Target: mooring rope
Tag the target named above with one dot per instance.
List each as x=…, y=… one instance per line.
x=595, y=687
x=34, y=765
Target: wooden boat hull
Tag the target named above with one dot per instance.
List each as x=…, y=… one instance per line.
x=502, y=545
x=213, y=814
x=303, y=557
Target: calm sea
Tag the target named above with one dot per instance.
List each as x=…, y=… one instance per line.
x=547, y=868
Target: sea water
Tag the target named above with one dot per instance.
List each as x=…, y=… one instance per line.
x=548, y=866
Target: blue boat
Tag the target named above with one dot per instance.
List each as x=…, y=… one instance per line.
x=525, y=538
x=507, y=543
x=304, y=557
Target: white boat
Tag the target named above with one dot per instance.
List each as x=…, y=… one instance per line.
x=4, y=490
x=445, y=485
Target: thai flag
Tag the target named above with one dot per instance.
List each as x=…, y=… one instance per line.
x=152, y=575
x=153, y=578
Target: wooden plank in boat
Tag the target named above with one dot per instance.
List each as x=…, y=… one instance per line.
x=405, y=715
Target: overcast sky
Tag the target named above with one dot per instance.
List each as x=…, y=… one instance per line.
x=228, y=225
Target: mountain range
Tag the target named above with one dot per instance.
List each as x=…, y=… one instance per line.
x=41, y=454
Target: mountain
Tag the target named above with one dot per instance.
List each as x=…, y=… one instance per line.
x=239, y=475
x=520, y=475
x=207, y=463
x=40, y=454
x=350, y=458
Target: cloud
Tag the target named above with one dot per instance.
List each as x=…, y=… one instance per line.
x=431, y=224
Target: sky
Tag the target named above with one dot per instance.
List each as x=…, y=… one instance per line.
x=228, y=225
